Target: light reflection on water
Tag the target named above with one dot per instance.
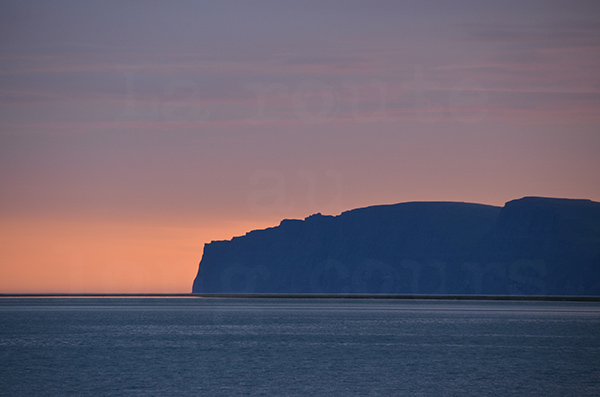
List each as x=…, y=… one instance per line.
x=298, y=347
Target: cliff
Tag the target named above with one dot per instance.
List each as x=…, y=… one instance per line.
x=531, y=246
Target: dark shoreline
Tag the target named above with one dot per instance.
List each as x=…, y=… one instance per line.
x=319, y=296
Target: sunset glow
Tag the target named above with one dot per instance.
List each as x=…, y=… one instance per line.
x=132, y=133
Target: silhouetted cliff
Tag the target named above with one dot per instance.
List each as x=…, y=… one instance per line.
x=531, y=246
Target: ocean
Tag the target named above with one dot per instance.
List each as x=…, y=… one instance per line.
x=297, y=347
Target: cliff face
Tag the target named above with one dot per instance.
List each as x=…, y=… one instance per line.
x=531, y=246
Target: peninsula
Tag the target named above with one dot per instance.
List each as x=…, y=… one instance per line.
x=532, y=246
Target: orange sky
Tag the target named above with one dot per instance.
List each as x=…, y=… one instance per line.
x=103, y=256
x=132, y=134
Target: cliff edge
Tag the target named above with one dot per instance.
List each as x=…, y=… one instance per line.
x=531, y=246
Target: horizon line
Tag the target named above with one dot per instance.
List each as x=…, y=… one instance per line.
x=308, y=296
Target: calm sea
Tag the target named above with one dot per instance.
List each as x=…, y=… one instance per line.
x=298, y=347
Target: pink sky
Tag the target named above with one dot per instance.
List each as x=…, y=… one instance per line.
x=131, y=133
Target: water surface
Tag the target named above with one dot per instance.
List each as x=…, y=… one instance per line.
x=298, y=347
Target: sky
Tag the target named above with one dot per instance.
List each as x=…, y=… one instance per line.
x=134, y=132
